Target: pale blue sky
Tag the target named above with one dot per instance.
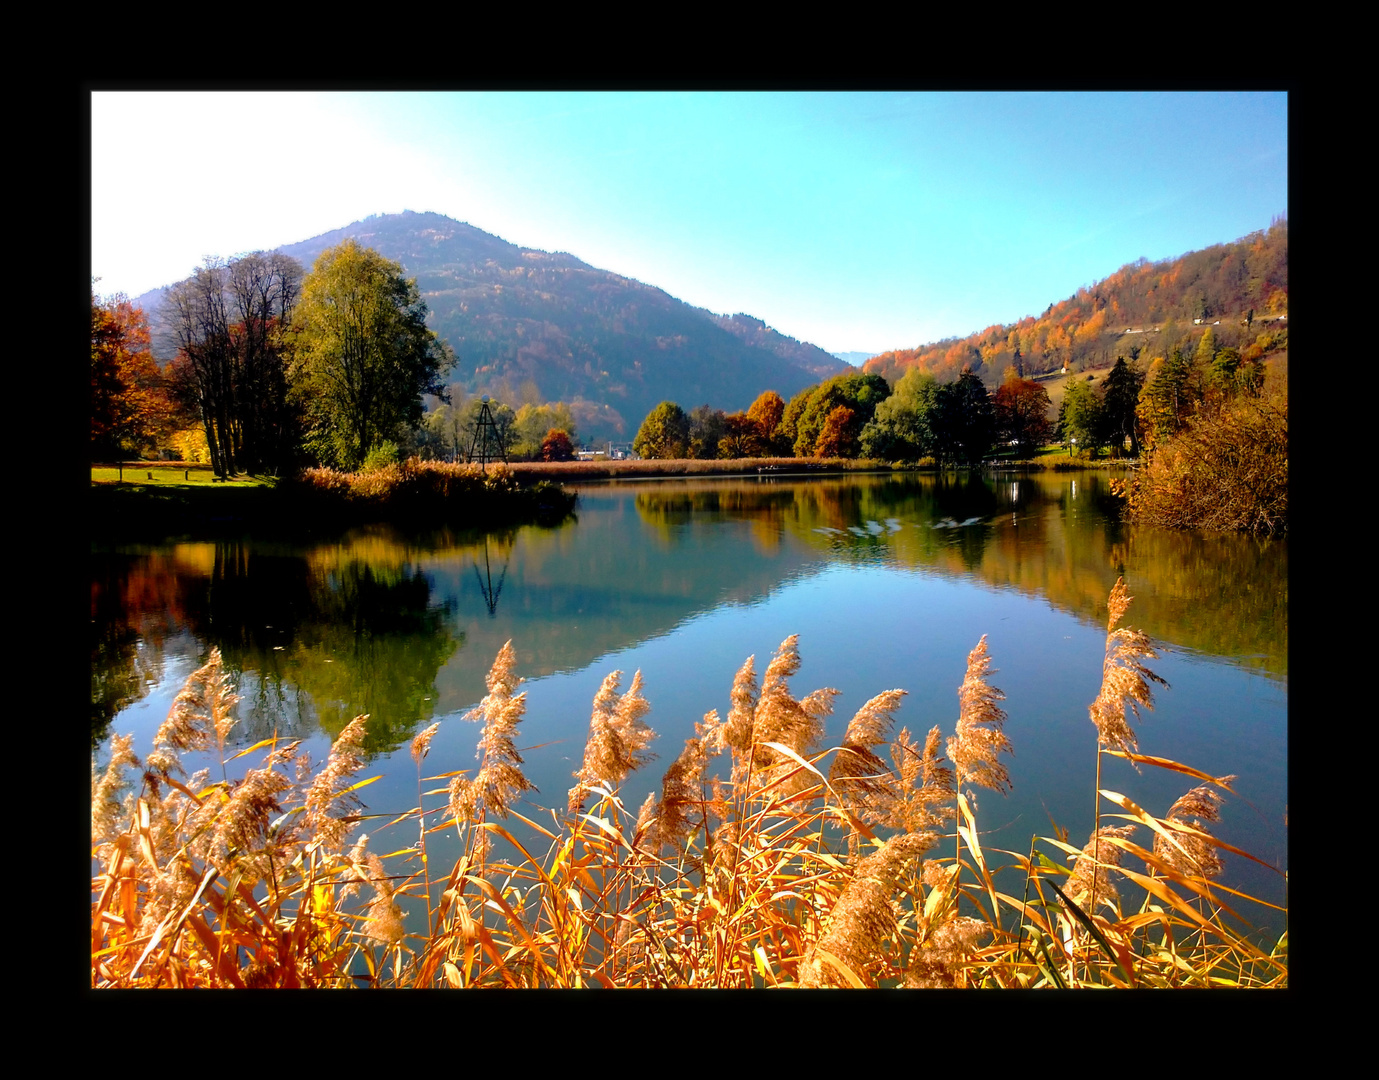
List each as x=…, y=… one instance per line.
x=856, y=221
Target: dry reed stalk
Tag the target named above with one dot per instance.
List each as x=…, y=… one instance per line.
x=924, y=786
x=862, y=780
x=1188, y=853
x=938, y=963
x=617, y=740
x=499, y=780
x=780, y=718
x=979, y=739
x=1091, y=876
x=1125, y=683
x=863, y=919
x=1125, y=678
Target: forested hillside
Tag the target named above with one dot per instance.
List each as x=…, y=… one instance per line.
x=1142, y=307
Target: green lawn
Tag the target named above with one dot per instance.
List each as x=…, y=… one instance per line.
x=171, y=474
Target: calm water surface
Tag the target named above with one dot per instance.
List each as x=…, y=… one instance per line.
x=889, y=583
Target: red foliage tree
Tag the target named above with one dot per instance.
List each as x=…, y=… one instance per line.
x=1022, y=413
x=556, y=446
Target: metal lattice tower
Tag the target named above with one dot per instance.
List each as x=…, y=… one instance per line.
x=487, y=440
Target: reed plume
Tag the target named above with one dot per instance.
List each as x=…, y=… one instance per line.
x=1090, y=883
x=330, y=806
x=780, y=718
x=499, y=780
x=1188, y=853
x=384, y=921
x=682, y=786
x=618, y=738
x=857, y=773
x=923, y=786
x=736, y=731
x=106, y=807
x=937, y=963
x=863, y=918
x=979, y=739
x=201, y=716
x=1124, y=677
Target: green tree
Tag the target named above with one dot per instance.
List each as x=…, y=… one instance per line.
x=1082, y=418
x=902, y=427
x=1120, y=396
x=965, y=419
x=664, y=433
x=364, y=353
x=1167, y=397
x=707, y=428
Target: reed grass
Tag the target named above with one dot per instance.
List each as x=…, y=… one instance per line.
x=768, y=859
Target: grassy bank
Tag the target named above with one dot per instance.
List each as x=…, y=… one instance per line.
x=767, y=860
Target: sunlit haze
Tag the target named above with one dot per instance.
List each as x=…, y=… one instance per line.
x=858, y=222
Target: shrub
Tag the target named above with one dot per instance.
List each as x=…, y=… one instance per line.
x=1226, y=469
x=382, y=455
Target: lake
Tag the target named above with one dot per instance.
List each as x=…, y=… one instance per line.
x=889, y=581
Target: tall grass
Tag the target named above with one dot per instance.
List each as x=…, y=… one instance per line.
x=427, y=489
x=767, y=859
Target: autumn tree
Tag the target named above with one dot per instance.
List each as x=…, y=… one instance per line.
x=364, y=354
x=556, y=446
x=664, y=433
x=741, y=437
x=1021, y=410
x=129, y=406
x=767, y=412
x=533, y=422
x=838, y=437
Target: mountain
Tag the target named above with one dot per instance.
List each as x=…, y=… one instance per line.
x=1239, y=289
x=537, y=326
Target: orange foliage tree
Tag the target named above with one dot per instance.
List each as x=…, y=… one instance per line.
x=129, y=406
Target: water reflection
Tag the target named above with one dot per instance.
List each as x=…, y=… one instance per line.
x=403, y=626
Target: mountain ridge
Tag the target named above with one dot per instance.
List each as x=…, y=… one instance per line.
x=531, y=326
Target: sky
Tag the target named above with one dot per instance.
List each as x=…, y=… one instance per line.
x=860, y=222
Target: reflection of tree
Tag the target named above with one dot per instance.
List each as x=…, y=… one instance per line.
x=318, y=637
x=668, y=510
x=136, y=603
x=371, y=643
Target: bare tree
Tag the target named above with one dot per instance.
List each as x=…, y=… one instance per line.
x=227, y=323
